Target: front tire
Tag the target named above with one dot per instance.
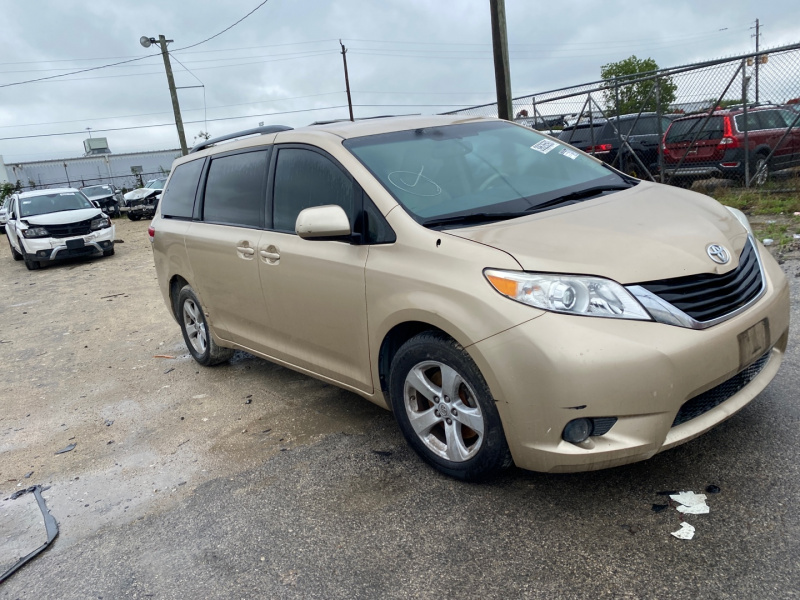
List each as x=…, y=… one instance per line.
x=444, y=408
x=32, y=265
x=133, y=217
x=14, y=254
x=195, y=331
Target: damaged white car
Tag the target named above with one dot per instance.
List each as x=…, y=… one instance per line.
x=142, y=202
x=48, y=225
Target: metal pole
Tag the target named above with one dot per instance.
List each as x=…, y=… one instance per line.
x=173, y=93
x=758, y=59
x=502, y=71
x=347, y=80
x=659, y=112
x=746, y=125
x=620, y=153
x=69, y=183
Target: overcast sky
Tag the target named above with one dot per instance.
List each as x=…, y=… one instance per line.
x=404, y=56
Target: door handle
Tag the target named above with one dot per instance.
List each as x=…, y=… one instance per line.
x=247, y=251
x=270, y=255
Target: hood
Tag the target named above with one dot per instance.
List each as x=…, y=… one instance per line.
x=63, y=217
x=140, y=193
x=648, y=232
x=99, y=197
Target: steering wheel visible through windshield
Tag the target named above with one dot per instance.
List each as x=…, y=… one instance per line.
x=482, y=171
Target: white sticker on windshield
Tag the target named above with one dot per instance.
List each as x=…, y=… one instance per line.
x=568, y=153
x=26, y=201
x=65, y=194
x=544, y=146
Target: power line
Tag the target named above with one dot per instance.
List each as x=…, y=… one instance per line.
x=321, y=53
x=95, y=119
x=224, y=30
x=133, y=59
x=286, y=112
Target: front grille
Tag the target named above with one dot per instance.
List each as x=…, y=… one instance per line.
x=706, y=297
x=712, y=398
x=70, y=229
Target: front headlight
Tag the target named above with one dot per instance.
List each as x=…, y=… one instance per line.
x=570, y=294
x=35, y=232
x=100, y=223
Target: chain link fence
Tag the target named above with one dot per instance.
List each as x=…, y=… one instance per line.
x=734, y=118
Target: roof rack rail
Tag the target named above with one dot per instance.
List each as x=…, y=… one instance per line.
x=231, y=136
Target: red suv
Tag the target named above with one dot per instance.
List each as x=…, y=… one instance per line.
x=719, y=148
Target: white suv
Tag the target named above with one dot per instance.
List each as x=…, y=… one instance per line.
x=46, y=225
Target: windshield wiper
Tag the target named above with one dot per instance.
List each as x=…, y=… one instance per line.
x=584, y=194
x=481, y=217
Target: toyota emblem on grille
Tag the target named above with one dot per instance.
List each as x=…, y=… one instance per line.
x=718, y=254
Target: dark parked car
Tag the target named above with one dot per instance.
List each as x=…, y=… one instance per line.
x=105, y=198
x=600, y=139
x=718, y=150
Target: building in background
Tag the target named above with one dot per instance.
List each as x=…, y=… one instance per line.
x=123, y=171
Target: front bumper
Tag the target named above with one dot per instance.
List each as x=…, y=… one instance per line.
x=556, y=368
x=49, y=249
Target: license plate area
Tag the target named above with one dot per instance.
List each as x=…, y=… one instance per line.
x=75, y=244
x=753, y=343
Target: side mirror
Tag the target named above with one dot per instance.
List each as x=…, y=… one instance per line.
x=322, y=222
x=96, y=203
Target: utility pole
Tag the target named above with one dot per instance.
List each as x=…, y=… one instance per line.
x=347, y=80
x=502, y=71
x=757, y=35
x=162, y=41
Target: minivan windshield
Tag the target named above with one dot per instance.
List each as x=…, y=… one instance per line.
x=471, y=172
x=50, y=203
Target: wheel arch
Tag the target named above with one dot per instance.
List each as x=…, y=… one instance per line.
x=398, y=335
x=176, y=284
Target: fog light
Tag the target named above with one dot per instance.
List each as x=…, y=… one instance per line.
x=42, y=253
x=577, y=431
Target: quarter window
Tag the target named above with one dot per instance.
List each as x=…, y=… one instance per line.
x=178, y=198
x=304, y=178
x=235, y=190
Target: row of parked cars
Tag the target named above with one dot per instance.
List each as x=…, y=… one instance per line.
x=54, y=224
x=695, y=146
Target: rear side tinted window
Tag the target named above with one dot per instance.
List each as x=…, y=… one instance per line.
x=235, y=189
x=581, y=134
x=685, y=131
x=303, y=179
x=178, y=198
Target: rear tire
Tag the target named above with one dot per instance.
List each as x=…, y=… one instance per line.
x=133, y=217
x=445, y=410
x=195, y=331
x=760, y=171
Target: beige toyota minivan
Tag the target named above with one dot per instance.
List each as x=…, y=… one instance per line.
x=507, y=297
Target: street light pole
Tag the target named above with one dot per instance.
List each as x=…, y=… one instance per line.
x=162, y=41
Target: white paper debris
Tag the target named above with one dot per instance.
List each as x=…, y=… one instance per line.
x=768, y=241
x=689, y=498
x=686, y=532
x=691, y=503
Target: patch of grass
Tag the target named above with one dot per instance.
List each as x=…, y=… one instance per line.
x=757, y=202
